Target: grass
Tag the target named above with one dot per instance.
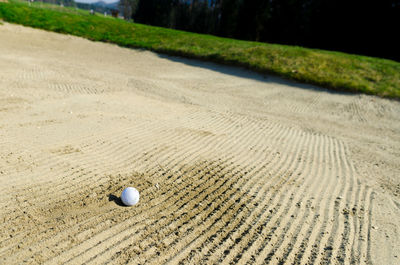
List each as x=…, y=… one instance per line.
x=333, y=70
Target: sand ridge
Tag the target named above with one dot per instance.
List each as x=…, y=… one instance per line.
x=232, y=167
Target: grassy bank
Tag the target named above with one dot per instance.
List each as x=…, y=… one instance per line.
x=328, y=69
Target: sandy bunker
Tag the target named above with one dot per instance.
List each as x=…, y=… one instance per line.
x=232, y=167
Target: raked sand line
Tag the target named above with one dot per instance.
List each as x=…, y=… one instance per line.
x=100, y=182
x=96, y=155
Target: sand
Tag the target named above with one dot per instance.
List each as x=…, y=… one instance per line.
x=232, y=166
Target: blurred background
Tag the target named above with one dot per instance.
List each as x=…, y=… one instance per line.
x=359, y=27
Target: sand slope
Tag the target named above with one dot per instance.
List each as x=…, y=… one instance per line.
x=232, y=167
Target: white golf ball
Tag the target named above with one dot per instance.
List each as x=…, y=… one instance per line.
x=130, y=196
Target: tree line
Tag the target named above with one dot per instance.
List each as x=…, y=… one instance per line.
x=361, y=27
x=70, y=3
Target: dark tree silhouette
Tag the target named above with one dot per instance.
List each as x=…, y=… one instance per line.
x=361, y=27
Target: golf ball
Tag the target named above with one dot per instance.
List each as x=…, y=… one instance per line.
x=130, y=196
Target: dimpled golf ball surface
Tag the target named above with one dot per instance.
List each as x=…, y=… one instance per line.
x=130, y=196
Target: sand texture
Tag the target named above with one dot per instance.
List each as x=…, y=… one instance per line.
x=232, y=167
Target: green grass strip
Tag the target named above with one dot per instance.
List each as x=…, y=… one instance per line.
x=333, y=70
